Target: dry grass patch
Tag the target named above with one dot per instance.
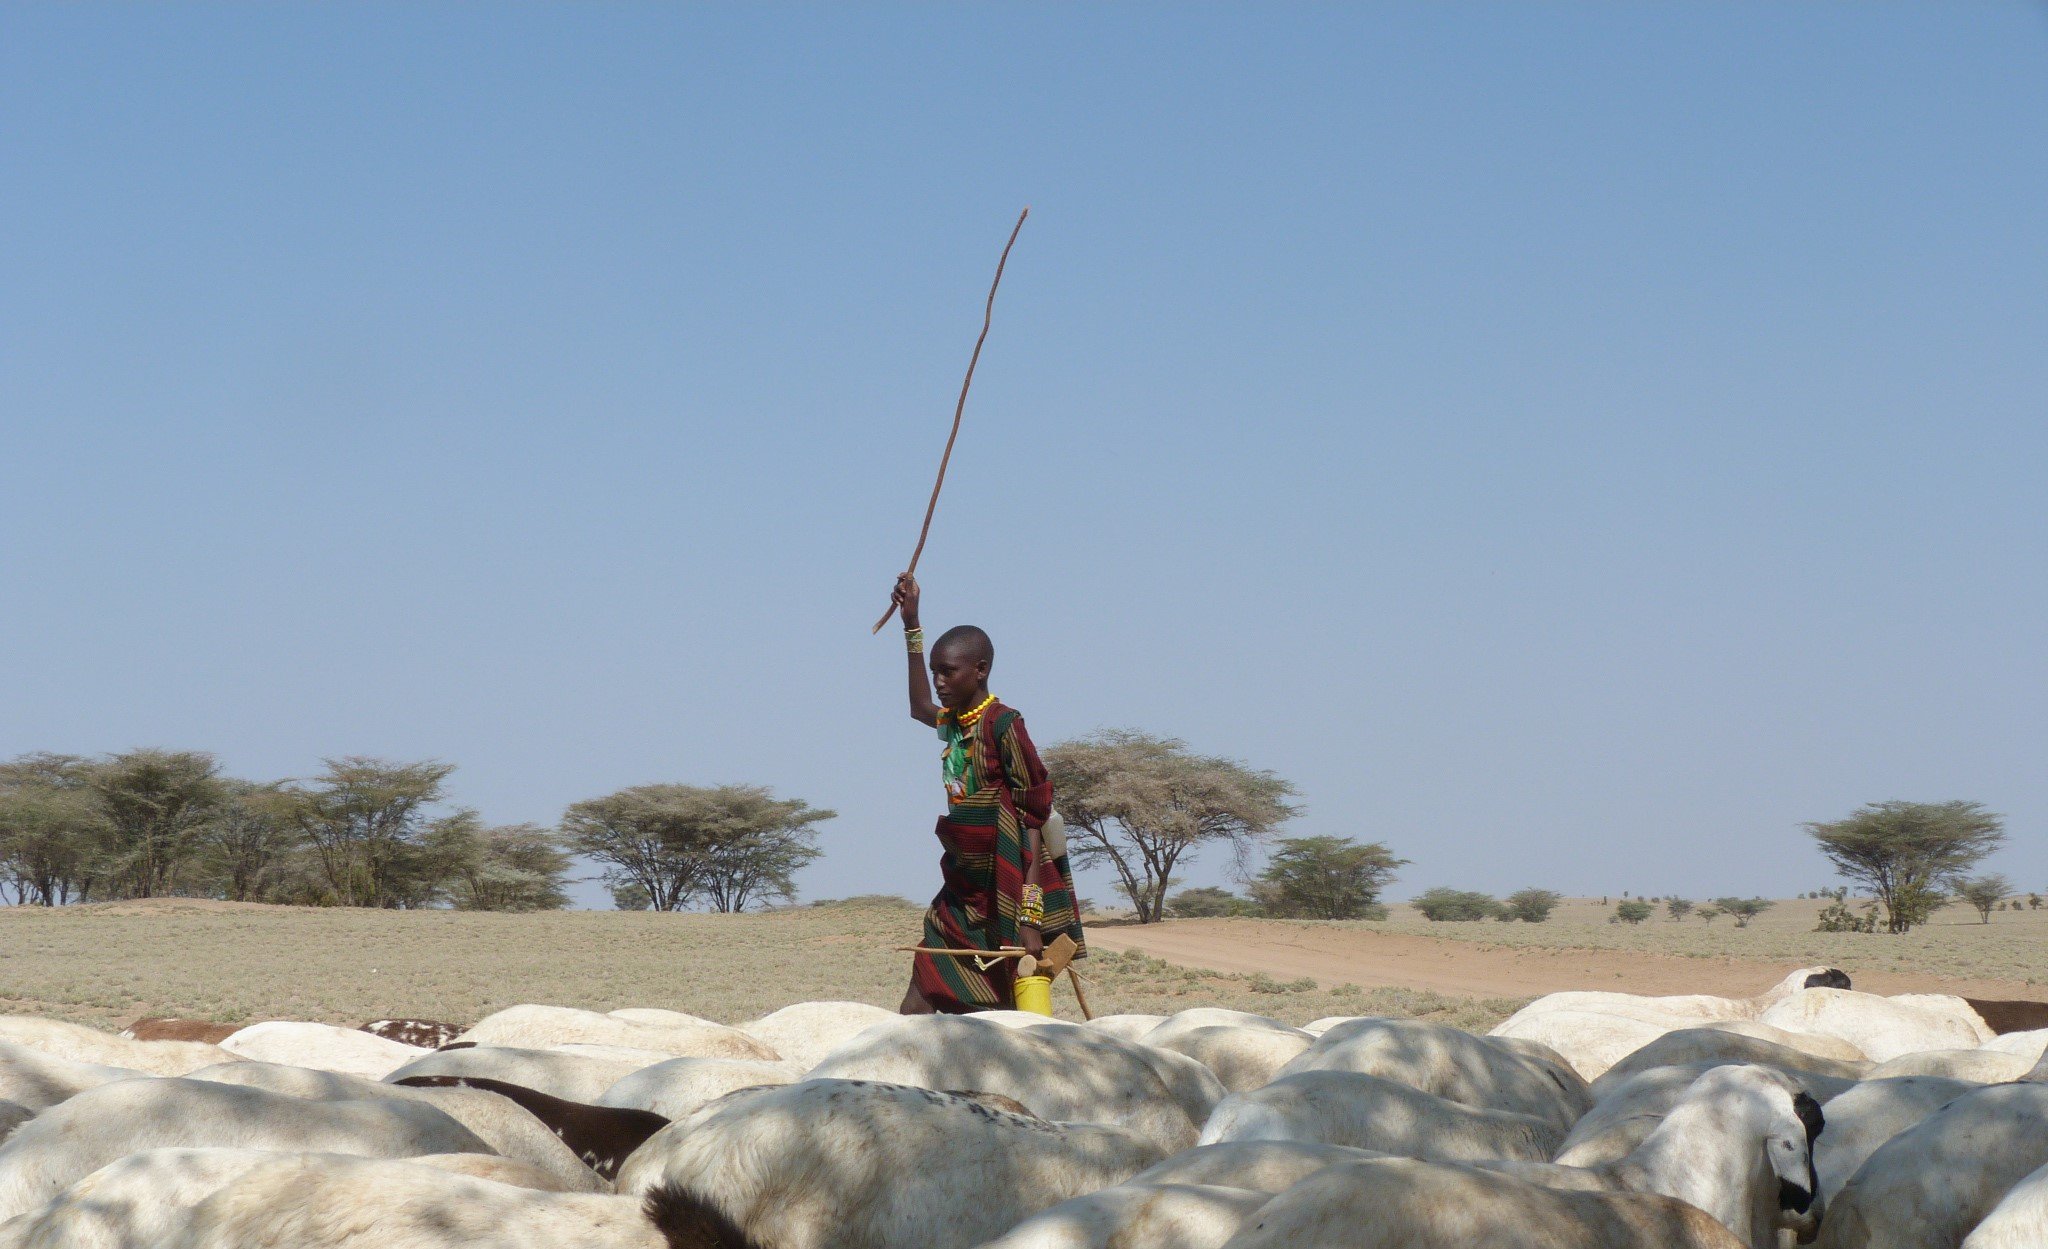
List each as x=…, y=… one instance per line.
x=228, y=962
x=2013, y=946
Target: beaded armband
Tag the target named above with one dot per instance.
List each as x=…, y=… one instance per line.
x=913, y=641
x=1032, y=910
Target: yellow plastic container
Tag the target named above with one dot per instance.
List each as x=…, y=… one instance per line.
x=1034, y=993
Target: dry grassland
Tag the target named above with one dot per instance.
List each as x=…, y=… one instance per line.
x=107, y=964
x=2012, y=947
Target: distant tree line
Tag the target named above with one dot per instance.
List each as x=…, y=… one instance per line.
x=374, y=833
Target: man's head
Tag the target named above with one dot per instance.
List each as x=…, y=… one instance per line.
x=961, y=659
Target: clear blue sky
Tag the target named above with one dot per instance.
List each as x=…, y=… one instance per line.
x=1576, y=444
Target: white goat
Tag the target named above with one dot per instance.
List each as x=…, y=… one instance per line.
x=536, y=1027
x=1402, y=1203
x=1738, y=1144
x=80, y=1044
x=1863, y=1117
x=662, y=1017
x=2019, y=1220
x=141, y=1201
x=362, y=1203
x=1934, y=1182
x=1346, y=1108
x=38, y=1081
x=2032, y=1046
x=1262, y=1166
x=1060, y=1071
x=323, y=1047
x=70, y=1141
x=501, y=1124
x=576, y=1077
x=1242, y=1058
x=1882, y=1027
x=1979, y=1066
x=1138, y=1216
x=675, y=1088
x=1689, y=1045
x=1450, y=1063
x=1211, y=1017
x=1630, y=1110
x=807, y=1031
x=860, y=1165
x=1125, y=1027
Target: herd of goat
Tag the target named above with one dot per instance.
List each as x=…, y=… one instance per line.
x=1812, y=1112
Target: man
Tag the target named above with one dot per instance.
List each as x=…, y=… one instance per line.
x=1002, y=885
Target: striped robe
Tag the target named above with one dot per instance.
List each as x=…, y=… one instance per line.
x=1007, y=791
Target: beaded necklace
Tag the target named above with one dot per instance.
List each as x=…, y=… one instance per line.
x=957, y=727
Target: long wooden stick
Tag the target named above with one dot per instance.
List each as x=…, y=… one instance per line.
x=1005, y=952
x=987, y=315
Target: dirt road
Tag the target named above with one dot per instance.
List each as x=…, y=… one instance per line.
x=1334, y=955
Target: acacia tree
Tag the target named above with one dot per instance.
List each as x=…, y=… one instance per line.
x=663, y=845
x=51, y=830
x=154, y=802
x=1326, y=878
x=1984, y=893
x=1744, y=909
x=1905, y=853
x=367, y=822
x=249, y=839
x=512, y=867
x=753, y=845
x=1145, y=804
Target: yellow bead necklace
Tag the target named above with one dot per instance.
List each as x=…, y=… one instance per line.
x=967, y=719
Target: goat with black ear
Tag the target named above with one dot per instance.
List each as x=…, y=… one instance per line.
x=1738, y=1145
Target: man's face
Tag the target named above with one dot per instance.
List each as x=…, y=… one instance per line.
x=956, y=676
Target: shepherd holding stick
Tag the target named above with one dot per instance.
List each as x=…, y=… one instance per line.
x=1006, y=884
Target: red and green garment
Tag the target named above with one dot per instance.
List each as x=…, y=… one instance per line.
x=996, y=789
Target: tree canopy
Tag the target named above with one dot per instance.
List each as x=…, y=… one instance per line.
x=1446, y=905
x=664, y=845
x=1327, y=878
x=1984, y=893
x=1145, y=804
x=1908, y=853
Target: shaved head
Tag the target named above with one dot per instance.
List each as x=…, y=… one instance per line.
x=969, y=642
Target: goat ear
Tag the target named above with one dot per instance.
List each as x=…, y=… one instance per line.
x=686, y=1221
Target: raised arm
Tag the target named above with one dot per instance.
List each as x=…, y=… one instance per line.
x=922, y=708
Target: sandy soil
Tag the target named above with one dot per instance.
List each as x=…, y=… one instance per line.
x=1372, y=959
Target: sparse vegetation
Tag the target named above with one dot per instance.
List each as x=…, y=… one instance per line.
x=1531, y=906
x=105, y=965
x=1632, y=911
x=1142, y=805
x=1744, y=909
x=1326, y=878
x=1984, y=893
x=1209, y=902
x=1446, y=905
x=1908, y=853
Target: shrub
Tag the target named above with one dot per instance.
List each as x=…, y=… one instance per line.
x=1208, y=902
x=1678, y=907
x=1708, y=913
x=1744, y=909
x=1634, y=911
x=1837, y=917
x=1531, y=906
x=1443, y=904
